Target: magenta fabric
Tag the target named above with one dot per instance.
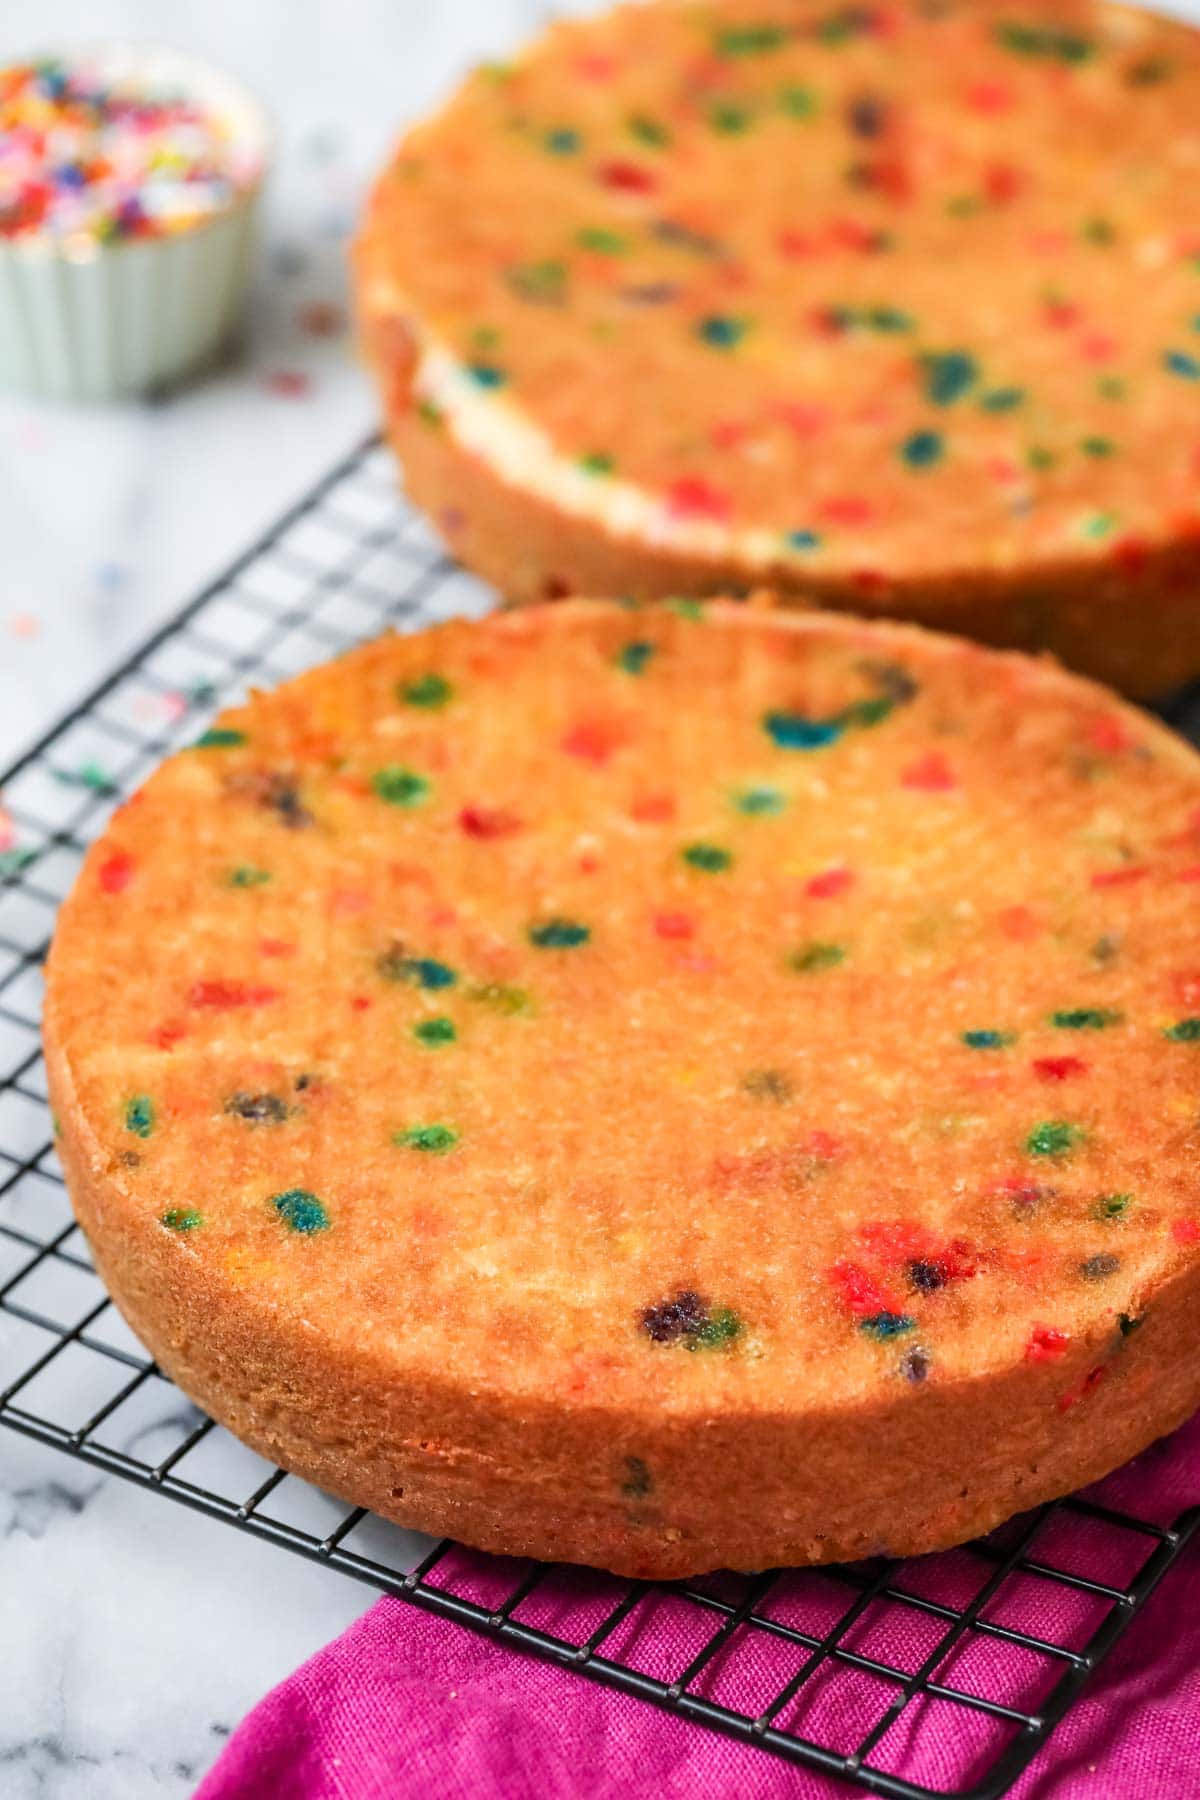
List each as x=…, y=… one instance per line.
x=406, y=1705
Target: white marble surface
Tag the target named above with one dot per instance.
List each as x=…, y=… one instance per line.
x=134, y=1634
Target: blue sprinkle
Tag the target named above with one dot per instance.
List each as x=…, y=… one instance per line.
x=792, y=731
x=922, y=449
x=887, y=1325
x=948, y=375
x=488, y=375
x=1180, y=363
x=301, y=1211
x=803, y=540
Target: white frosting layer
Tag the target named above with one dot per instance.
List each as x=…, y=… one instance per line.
x=489, y=426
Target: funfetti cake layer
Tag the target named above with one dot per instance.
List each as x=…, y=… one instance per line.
x=892, y=305
x=661, y=1087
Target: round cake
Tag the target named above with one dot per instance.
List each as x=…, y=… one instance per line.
x=894, y=305
x=661, y=1087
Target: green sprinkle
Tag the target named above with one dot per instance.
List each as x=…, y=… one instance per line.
x=811, y=957
x=597, y=462
x=434, y=1140
x=435, y=1031
x=139, y=1115
x=422, y=971
x=888, y=319
x=1099, y=525
x=687, y=609
x=949, y=374
x=1053, y=1137
x=181, y=1218
x=721, y=1328
x=750, y=40
x=88, y=775
x=759, y=802
x=429, y=413
x=602, y=241
x=507, y=1000
x=543, y=283
x=301, y=1211
x=558, y=934
x=731, y=120
x=798, y=102
x=1112, y=1206
x=1097, y=446
x=923, y=449
x=709, y=857
x=1034, y=40
x=988, y=1040
x=1038, y=457
x=399, y=787
x=430, y=691
x=649, y=131
x=1184, y=1031
x=1111, y=387
x=1098, y=231
x=1003, y=399
x=219, y=737
x=562, y=142
x=1085, y=1018
x=722, y=330
x=246, y=876
x=634, y=657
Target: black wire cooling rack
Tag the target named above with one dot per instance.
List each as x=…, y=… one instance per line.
x=849, y=1670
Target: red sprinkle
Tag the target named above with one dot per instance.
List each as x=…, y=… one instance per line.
x=1019, y=924
x=1045, y=1344
x=165, y=1037
x=829, y=883
x=275, y=947
x=630, y=178
x=823, y=1146
x=488, y=821
x=1106, y=878
x=1058, y=1068
x=858, y=1290
x=652, y=809
x=1109, y=732
x=1186, y=1231
x=223, y=994
x=360, y=1003
x=691, y=497
x=931, y=774
x=592, y=740
x=674, y=925
x=990, y=96
x=846, y=509
x=116, y=872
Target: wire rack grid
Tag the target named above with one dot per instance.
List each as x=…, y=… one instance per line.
x=853, y=1670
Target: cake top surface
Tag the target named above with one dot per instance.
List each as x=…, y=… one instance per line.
x=870, y=291
x=686, y=1006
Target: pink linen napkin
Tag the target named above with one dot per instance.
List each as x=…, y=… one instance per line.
x=405, y=1704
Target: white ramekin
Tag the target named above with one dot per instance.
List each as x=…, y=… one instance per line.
x=97, y=321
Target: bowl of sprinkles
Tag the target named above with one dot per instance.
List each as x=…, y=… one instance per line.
x=129, y=182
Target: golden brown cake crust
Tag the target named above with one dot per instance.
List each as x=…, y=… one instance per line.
x=949, y=369
x=593, y=1122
